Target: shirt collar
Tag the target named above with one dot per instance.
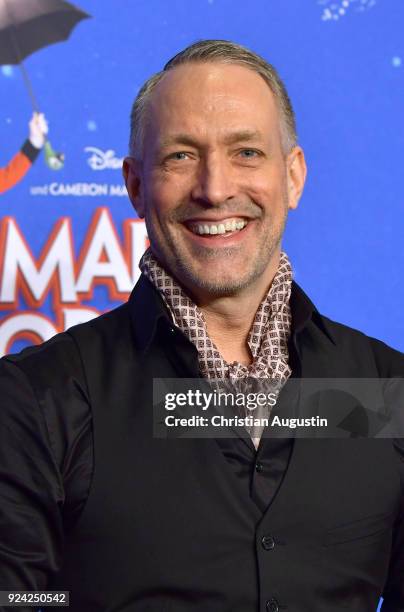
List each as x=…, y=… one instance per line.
x=148, y=312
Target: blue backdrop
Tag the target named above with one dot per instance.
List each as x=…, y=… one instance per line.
x=343, y=64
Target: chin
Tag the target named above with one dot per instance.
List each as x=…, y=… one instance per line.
x=220, y=286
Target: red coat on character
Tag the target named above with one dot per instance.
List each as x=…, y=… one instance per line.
x=19, y=165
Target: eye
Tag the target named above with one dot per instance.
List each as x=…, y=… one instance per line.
x=179, y=155
x=249, y=153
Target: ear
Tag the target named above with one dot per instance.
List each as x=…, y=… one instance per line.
x=296, y=175
x=131, y=174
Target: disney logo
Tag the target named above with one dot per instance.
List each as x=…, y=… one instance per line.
x=103, y=160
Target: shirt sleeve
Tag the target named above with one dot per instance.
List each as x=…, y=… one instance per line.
x=31, y=489
x=390, y=365
x=393, y=595
x=19, y=165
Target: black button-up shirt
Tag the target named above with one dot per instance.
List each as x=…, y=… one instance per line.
x=28, y=509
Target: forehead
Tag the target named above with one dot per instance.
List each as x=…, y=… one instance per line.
x=202, y=99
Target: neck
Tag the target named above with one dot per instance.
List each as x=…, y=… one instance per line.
x=229, y=318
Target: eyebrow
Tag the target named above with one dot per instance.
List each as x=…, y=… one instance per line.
x=239, y=136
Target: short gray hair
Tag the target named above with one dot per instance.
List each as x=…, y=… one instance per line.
x=218, y=51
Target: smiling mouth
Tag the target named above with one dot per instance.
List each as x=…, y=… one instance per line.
x=215, y=228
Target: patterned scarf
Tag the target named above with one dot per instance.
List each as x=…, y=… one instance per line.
x=267, y=338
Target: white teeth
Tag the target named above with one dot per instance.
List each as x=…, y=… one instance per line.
x=230, y=225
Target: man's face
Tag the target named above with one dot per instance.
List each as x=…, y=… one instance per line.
x=213, y=183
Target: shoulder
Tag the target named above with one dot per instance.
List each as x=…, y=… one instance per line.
x=389, y=361
x=366, y=354
x=47, y=361
x=112, y=325
x=44, y=394
x=58, y=363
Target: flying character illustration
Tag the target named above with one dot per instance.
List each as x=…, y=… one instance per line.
x=25, y=27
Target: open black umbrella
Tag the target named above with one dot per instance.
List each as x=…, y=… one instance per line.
x=29, y=25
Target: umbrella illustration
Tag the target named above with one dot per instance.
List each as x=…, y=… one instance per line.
x=27, y=26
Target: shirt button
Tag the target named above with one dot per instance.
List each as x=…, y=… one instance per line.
x=268, y=543
x=259, y=467
x=272, y=605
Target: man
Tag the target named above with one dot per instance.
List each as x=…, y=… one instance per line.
x=93, y=502
x=18, y=166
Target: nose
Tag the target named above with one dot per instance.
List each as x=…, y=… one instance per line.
x=214, y=183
